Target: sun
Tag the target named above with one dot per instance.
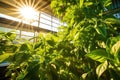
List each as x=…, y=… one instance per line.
x=28, y=12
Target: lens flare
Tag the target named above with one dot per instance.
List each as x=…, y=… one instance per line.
x=28, y=12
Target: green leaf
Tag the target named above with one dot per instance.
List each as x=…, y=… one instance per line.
x=33, y=71
x=81, y=3
x=4, y=56
x=112, y=21
x=51, y=42
x=115, y=51
x=84, y=75
x=116, y=48
x=76, y=37
x=101, y=30
x=98, y=55
x=88, y=3
x=23, y=47
x=37, y=45
x=11, y=35
x=101, y=68
x=107, y=3
x=111, y=42
x=26, y=46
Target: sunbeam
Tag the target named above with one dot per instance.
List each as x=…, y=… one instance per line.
x=25, y=10
x=28, y=12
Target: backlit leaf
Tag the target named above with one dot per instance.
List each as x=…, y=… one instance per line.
x=116, y=48
x=88, y=3
x=11, y=35
x=81, y=3
x=101, y=68
x=4, y=56
x=112, y=44
x=98, y=55
x=84, y=75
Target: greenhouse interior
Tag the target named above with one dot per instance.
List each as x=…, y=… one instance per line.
x=59, y=39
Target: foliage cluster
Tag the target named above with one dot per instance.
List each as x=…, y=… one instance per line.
x=88, y=48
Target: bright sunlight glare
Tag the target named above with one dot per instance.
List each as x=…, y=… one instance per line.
x=28, y=12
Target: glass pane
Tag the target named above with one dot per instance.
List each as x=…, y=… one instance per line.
x=35, y=24
x=55, y=25
x=27, y=33
x=46, y=16
x=5, y=29
x=27, y=38
x=45, y=26
x=55, y=29
x=8, y=30
x=17, y=31
x=45, y=21
x=55, y=20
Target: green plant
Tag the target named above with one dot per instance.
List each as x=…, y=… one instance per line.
x=7, y=47
x=94, y=34
x=86, y=49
